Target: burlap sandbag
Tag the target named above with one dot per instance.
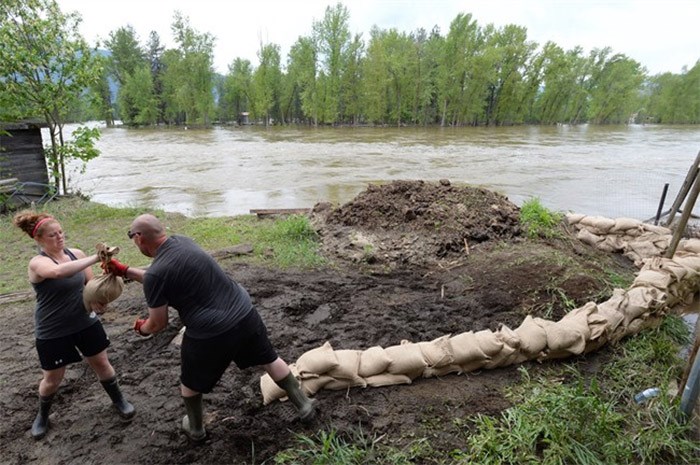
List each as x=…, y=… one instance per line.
x=533, y=337
x=105, y=288
x=317, y=361
x=387, y=379
x=311, y=386
x=373, y=361
x=466, y=349
x=438, y=352
x=270, y=390
x=406, y=359
x=345, y=374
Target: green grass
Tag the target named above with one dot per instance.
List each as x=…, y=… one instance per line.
x=279, y=242
x=538, y=220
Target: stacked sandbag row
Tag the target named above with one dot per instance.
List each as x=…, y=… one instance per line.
x=633, y=238
x=661, y=285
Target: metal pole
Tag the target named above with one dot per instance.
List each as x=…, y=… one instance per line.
x=661, y=204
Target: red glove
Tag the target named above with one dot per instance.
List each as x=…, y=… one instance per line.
x=116, y=267
x=137, y=326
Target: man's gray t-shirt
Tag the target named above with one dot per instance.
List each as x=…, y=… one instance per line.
x=188, y=279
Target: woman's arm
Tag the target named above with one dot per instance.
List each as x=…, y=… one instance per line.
x=41, y=267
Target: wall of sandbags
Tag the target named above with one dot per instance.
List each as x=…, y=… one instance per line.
x=661, y=285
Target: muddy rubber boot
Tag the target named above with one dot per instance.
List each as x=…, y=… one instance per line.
x=124, y=408
x=305, y=406
x=41, y=422
x=192, y=422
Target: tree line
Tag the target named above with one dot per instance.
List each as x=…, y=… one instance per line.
x=474, y=75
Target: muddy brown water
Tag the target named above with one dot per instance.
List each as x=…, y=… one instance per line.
x=612, y=171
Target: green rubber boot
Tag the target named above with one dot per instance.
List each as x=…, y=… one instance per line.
x=192, y=423
x=305, y=406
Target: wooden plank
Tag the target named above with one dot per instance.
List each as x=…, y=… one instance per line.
x=280, y=211
x=8, y=186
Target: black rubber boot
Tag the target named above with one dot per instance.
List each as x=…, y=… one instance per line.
x=192, y=422
x=41, y=422
x=304, y=405
x=124, y=408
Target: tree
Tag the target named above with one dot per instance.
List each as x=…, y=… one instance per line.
x=234, y=97
x=188, y=78
x=266, y=83
x=332, y=38
x=616, y=90
x=45, y=68
x=301, y=71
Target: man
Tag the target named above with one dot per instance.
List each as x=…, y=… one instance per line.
x=221, y=323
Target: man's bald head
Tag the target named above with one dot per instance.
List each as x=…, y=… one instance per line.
x=151, y=233
x=148, y=226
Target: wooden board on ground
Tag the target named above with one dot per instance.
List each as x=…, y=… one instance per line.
x=279, y=211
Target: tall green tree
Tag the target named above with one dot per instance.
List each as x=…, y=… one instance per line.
x=45, y=69
x=154, y=56
x=616, y=91
x=138, y=96
x=302, y=72
x=332, y=37
x=188, y=77
x=234, y=98
x=266, y=83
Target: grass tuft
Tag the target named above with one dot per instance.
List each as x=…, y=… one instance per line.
x=538, y=221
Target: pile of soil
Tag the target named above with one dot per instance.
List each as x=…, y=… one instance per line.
x=436, y=259
x=415, y=223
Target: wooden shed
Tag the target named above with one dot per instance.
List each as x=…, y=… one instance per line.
x=23, y=163
x=22, y=152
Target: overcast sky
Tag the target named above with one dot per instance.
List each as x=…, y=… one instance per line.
x=662, y=35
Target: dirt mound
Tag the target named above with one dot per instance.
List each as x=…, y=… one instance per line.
x=414, y=223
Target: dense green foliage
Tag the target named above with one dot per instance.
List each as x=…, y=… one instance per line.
x=471, y=75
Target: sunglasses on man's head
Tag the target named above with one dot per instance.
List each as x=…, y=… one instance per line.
x=132, y=234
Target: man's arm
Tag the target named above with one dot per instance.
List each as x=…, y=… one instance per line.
x=157, y=321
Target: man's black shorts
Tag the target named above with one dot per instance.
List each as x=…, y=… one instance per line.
x=204, y=361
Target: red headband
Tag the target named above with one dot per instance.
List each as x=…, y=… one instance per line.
x=39, y=223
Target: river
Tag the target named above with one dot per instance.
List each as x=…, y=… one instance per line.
x=611, y=171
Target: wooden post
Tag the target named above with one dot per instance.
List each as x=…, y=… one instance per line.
x=689, y=179
x=687, y=210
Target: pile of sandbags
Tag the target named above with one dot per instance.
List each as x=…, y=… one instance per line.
x=633, y=238
x=661, y=285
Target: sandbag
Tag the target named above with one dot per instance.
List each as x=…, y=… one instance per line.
x=373, y=361
x=270, y=390
x=105, y=288
x=311, y=386
x=102, y=290
x=533, y=337
x=346, y=372
x=387, y=379
x=438, y=352
x=466, y=349
x=317, y=361
x=406, y=359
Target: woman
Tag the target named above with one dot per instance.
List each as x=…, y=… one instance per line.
x=65, y=332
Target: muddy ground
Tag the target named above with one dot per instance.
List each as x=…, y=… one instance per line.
x=408, y=260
